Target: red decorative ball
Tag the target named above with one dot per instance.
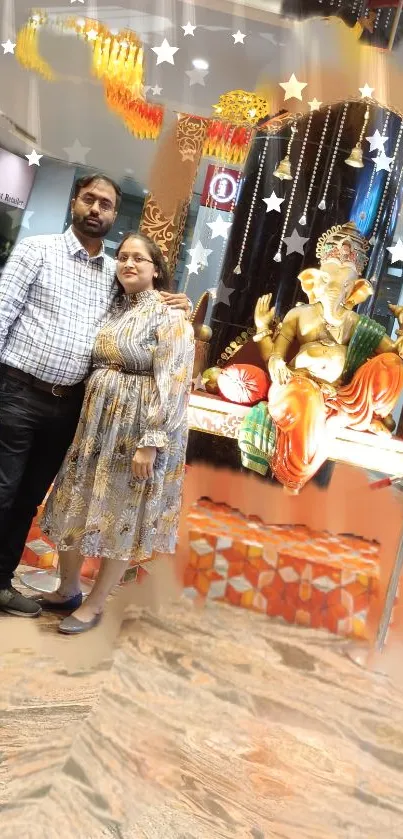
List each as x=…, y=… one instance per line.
x=243, y=384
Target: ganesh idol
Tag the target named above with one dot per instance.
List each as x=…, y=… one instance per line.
x=330, y=368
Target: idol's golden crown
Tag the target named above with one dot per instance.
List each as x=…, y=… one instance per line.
x=343, y=243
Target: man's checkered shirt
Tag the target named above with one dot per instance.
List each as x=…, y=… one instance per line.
x=53, y=298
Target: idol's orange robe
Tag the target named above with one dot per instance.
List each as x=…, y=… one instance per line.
x=305, y=416
x=290, y=434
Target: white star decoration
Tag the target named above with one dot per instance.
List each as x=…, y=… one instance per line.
x=383, y=162
x=8, y=46
x=377, y=142
x=165, y=52
x=273, y=203
x=156, y=90
x=77, y=153
x=295, y=243
x=314, y=104
x=397, y=251
x=198, y=382
x=189, y=29
x=199, y=258
x=92, y=35
x=293, y=88
x=197, y=77
x=223, y=295
x=366, y=91
x=34, y=158
x=15, y=222
x=239, y=37
x=219, y=227
x=26, y=219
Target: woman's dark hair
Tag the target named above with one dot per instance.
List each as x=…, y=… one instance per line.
x=162, y=282
x=82, y=183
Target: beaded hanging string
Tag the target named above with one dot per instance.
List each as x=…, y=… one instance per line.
x=303, y=219
x=277, y=257
x=384, y=130
x=238, y=267
x=322, y=204
x=387, y=184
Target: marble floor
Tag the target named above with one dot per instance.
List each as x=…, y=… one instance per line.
x=189, y=723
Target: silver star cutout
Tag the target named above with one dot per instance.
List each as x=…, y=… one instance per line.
x=295, y=243
x=273, y=203
x=77, y=153
x=156, y=90
x=383, y=162
x=293, y=88
x=34, y=158
x=8, y=47
x=366, y=91
x=15, y=222
x=198, y=382
x=396, y=251
x=219, y=227
x=165, y=53
x=189, y=29
x=223, y=295
x=377, y=142
x=199, y=254
x=197, y=77
x=314, y=104
x=239, y=37
x=268, y=36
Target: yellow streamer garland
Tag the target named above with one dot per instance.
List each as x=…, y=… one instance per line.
x=117, y=61
x=27, y=50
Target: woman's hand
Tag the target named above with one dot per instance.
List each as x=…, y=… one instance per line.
x=176, y=301
x=264, y=315
x=143, y=463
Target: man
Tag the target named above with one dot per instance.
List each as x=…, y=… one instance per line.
x=54, y=292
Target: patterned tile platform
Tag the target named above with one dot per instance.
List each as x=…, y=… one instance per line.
x=301, y=575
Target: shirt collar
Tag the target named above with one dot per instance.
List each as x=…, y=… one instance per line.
x=74, y=246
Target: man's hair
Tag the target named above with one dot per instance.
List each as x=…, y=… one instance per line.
x=82, y=183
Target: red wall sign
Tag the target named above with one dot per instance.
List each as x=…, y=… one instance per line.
x=221, y=188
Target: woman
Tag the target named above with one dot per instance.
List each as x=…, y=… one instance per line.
x=118, y=493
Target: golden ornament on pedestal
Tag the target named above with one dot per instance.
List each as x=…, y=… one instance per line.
x=202, y=332
x=210, y=379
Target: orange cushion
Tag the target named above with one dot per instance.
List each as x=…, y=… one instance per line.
x=243, y=384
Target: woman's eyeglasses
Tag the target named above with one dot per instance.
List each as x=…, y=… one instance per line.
x=123, y=258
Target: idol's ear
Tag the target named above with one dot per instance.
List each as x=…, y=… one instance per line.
x=361, y=291
x=309, y=278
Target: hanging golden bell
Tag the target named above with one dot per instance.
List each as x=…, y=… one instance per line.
x=283, y=171
x=355, y=158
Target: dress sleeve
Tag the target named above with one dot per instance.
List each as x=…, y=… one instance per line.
x=173, y=368
x=20, y=271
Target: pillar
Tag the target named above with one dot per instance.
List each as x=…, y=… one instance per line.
x=172, y=180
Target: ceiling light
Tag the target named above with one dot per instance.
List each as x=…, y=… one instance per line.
x=200, y=64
